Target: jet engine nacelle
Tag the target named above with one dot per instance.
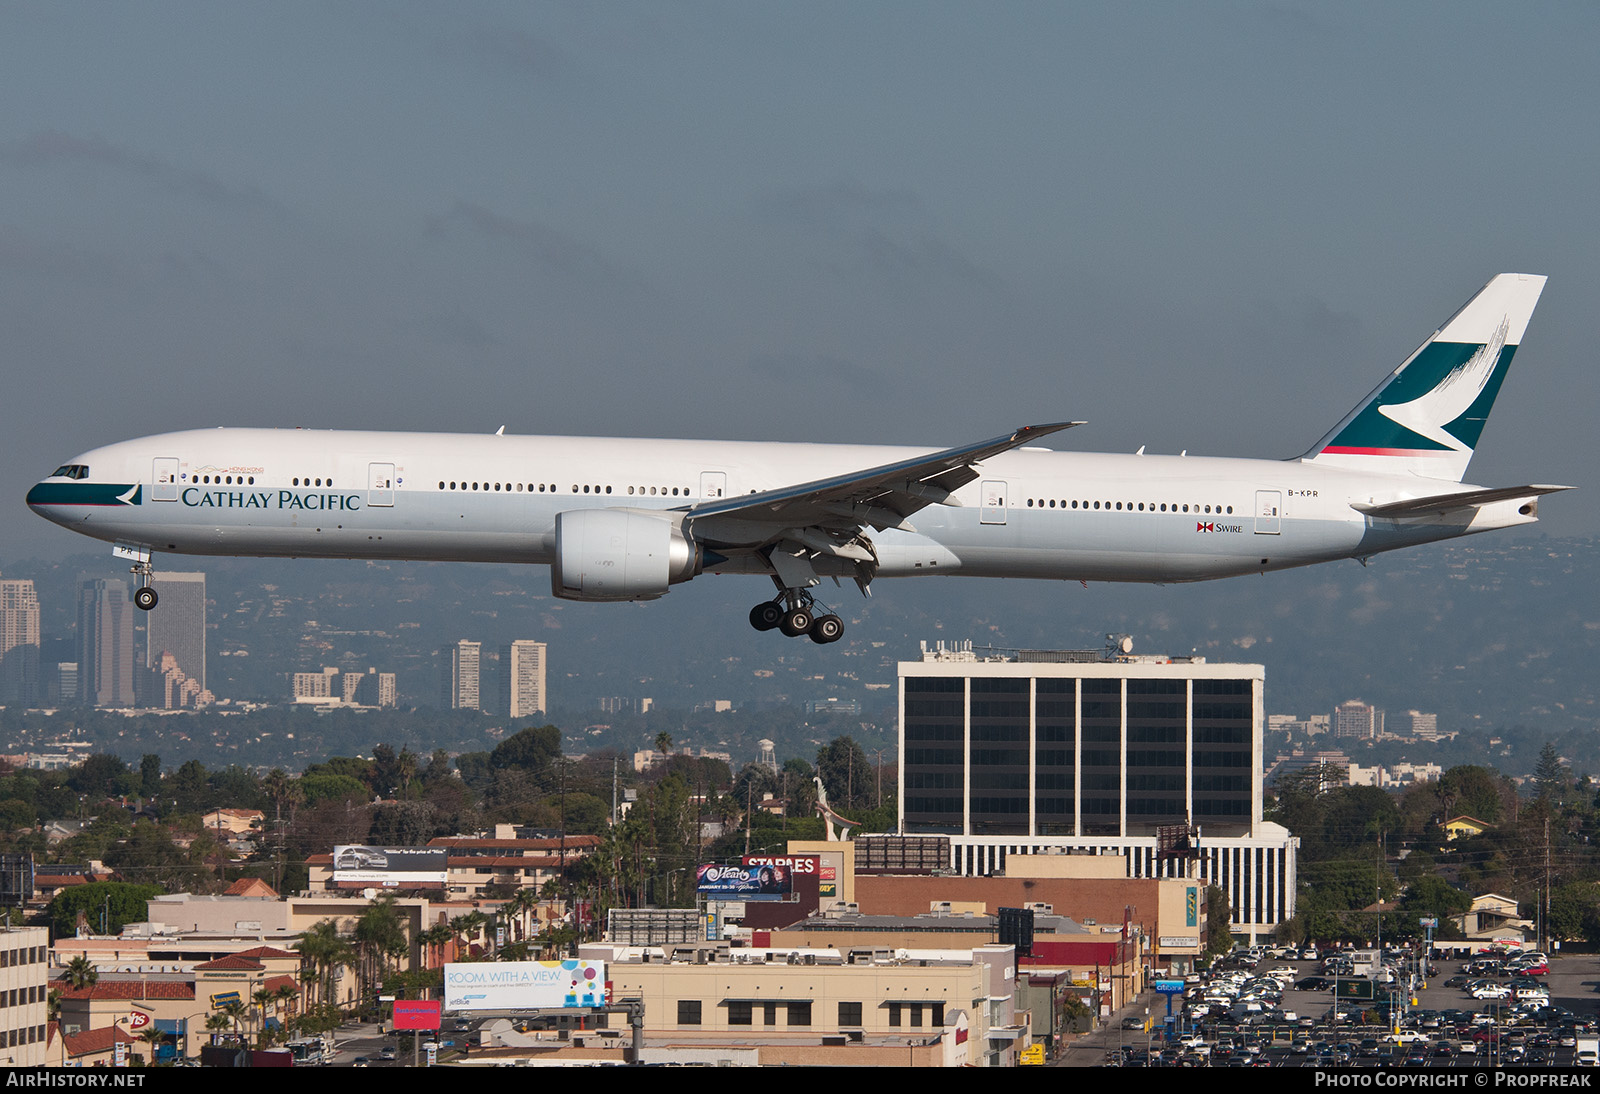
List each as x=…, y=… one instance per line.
x=618, y=554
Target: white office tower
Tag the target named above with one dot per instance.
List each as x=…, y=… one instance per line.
x=522, y=674
x=460, y=672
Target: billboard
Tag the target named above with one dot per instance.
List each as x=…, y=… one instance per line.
x=16, y=878
x=361, y=865
x=745, y=882
x=524, y=985
x=416, y=1014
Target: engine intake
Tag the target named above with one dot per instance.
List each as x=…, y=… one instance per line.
x=619, y=554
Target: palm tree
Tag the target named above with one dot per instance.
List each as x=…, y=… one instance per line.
x=325, y=950
x=434, y=939
x=151, y=1036
x=522, y=902
x=467, y=925
x=235, y=1012
x=217, y=1023
x=379, y=935
x=285, y=997
x=261, y=997
x=82, y=973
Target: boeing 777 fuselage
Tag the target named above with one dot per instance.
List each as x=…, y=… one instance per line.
x=624, y=519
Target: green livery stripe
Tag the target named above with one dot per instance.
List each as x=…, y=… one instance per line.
x=84, y=493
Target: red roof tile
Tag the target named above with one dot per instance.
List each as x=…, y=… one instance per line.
x=251, y=886
x=231, y=963
x=132, y=989
x=266, y=951
x=95, y=1040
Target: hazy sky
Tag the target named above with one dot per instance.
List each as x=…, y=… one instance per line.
x=1210, y=227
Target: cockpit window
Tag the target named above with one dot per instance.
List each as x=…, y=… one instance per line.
x=72, y=471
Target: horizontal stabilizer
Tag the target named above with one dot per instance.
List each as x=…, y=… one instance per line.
x=1445, y=503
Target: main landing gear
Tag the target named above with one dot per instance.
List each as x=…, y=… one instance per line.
x=794, y=613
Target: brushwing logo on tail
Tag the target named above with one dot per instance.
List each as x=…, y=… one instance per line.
x=1436, y=405
x=1453, y=396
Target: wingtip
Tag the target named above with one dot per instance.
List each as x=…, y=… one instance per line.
x=1046, y=428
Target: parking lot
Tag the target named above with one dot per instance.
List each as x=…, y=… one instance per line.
x=1445, y=1028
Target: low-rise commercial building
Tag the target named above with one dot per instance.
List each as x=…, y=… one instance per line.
x=826, y=1005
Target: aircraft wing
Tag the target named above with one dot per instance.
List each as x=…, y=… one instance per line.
x=1439, y=504
x=880, y=497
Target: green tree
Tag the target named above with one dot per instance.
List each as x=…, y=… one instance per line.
x=1575, y=911
x=107, y=905
x=148, y=853
x=1219, y=922
x=532, y=749
x=846, y=773
x=150, y=776
x=102, y=776
x=328, y=786
x=1474, y=791
x=1550, y=776
x=189, y=787
x=1432, y=894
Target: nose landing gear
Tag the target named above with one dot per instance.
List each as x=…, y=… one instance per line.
x=144, y=597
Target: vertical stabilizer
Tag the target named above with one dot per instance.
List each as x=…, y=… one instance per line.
x=1426, y=417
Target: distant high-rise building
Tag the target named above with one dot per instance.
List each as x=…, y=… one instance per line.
x=178, y=624
x=311, y=687
x=105, y=643
x=522, y=675
x=369, y=689
x=62, y=684
x=167, y=687
x=1415, y=723
x=1357, y=719
x=378, y=690
x=19, y=642
x=460, y=676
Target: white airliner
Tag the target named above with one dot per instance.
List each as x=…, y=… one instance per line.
x=623, y=519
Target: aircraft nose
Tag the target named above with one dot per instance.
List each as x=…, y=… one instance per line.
x=38, y=496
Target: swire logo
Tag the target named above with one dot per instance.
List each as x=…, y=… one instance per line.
x=1204, y=526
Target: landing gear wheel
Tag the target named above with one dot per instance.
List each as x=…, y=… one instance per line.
x=766, y=615
x=144, y=598
x=796, y=622
x=827, y=628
